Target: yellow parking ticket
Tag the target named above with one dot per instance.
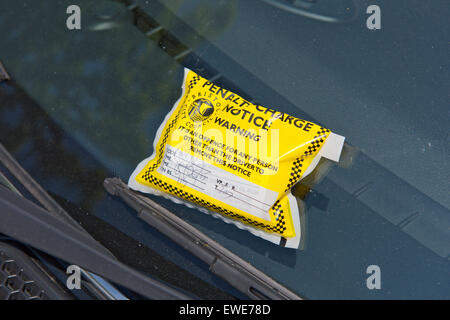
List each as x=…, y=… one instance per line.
x=234, y=159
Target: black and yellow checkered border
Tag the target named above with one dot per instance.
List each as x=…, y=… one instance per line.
x=297, y=166
x=194, y=81
x=276, y=209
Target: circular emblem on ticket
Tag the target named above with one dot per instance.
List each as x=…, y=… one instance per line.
x=201, y=109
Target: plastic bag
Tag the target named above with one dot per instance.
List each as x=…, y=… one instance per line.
x=235, y=160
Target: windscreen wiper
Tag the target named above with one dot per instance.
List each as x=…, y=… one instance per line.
x=52, y=230
x=222, y=262
x=28, y=223
x=34, y=188
x=51, y=206
x=3, y=73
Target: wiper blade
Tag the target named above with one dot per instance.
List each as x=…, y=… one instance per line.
x=24, y=221
x=34, y=188
x=3, y=73
x=222, y=262
x=5, y=182
x=39, y=193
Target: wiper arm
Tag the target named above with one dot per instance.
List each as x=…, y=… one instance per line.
x=24, y=221
x=34, y=188
x=223, y=263
x=39, y=193
x=3, y=73
x=4, y=181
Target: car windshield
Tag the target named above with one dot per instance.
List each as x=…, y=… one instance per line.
x=100, y=93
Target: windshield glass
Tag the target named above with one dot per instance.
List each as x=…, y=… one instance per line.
x=110, y=85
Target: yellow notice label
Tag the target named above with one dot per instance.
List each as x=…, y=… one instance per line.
x=221, y=152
